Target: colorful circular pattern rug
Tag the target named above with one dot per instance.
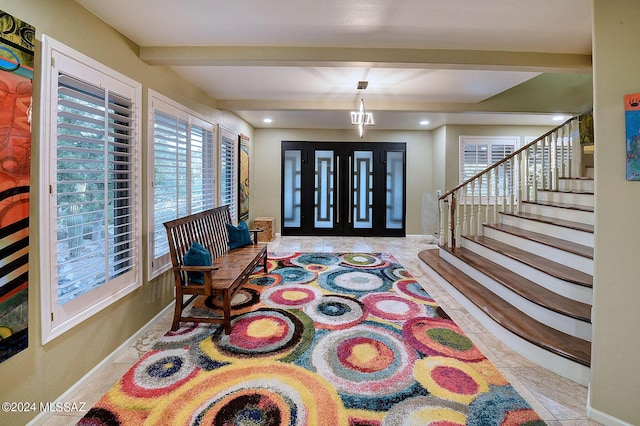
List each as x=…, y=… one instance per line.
x=328, y=339
x=336, y=312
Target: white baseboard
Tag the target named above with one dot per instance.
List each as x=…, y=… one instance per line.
x=600, y=417
x=41, y=418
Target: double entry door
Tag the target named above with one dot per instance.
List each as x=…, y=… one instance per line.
x=343, y=188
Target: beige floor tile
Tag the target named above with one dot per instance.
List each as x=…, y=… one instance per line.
x=539, y=408
x=60, y=420
x=562, y=397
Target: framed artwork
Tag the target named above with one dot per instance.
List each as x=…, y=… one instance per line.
x=16, y=75
x=243, y=177
x=585, y=123
x=632, y=130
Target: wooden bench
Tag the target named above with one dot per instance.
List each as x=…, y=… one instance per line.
x=229, y=269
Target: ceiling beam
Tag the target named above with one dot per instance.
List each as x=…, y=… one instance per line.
x=567, y=93
x=371, y=57
x=271, y=105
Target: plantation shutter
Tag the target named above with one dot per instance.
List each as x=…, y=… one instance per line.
x=228, y=174
x=476, y=159
x=202, y=179
x=478, y=153
x=498, y=152
x=170, y=175
x=95, y=187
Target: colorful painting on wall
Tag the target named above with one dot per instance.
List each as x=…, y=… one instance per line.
x=632, y=120
x=16, y=74
x=243, y=177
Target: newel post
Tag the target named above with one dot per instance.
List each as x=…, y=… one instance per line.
x=452, y=220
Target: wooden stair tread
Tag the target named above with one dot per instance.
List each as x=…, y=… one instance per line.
x=579, y=207
x=550, y=267
x=577, y=178
x=509, y=317
x=579, y=226
x=568, y=246
x=568, y=191
x=523, y=286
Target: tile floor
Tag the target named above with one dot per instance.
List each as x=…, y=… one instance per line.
x=557, y=400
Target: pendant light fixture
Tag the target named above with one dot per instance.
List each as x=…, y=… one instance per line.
x=362, y=118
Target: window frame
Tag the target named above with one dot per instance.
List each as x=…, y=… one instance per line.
x=57, y=319
x=158, y=102
x=489, y=141
x=233, y=143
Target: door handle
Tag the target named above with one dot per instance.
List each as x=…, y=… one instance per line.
x=337, y=209
x=350, y=190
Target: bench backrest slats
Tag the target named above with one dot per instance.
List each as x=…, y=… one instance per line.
x=208, y=228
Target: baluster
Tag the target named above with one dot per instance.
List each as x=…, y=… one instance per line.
x=518, y=182
x=555, y=162
x=511, y=185
x=487, y=207
x=570, y=147
x=457, y=219
x=551, y=165
x=504, y=186
x=495, y=192
x=466, y=224
x=442, y=236
x=543, y=162
x=479, y=205
x=524, y=170
x=563, y=154
x=535, y=171
x=472, y=223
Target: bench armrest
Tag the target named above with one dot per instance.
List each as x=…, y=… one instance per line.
x=196, y=268
x=255, y=234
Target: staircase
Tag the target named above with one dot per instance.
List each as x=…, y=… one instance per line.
x=521, y=261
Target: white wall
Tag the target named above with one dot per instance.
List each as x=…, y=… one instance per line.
x=615, y=383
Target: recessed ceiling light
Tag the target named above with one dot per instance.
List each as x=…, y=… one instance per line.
x=424, y=122
x=558, y=117
x=267, y=120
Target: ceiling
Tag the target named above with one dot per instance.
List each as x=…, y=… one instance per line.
x=299, y=62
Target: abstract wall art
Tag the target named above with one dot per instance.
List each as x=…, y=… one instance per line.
x=243, y=177
x=632, y=123
x=16, y=74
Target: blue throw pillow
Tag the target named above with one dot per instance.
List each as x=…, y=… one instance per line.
x=197, y=256
x=239, y=235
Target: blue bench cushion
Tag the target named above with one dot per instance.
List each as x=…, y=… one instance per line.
x=197, y=256
x=239, y=235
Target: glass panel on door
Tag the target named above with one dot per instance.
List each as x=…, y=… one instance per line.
x=323, y=208
x=395, y=190
x=361, y=193
x=292, y=188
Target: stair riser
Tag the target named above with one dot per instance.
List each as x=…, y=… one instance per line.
x=551, y=318
x=564, y=288
x=572, y=260
x=553, y=362
x=559, y=213
x=566, y=197
x=567, y=234
x=576, y=184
